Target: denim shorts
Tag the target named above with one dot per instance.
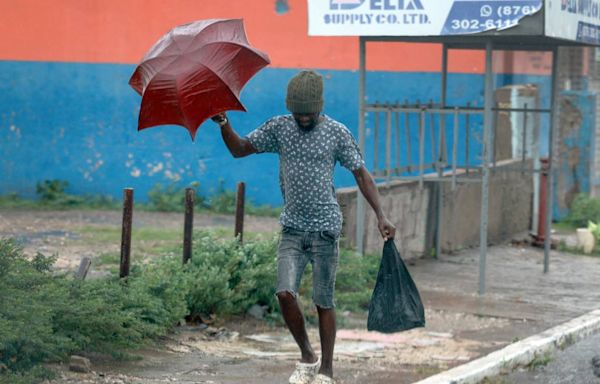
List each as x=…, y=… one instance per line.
x=296, y=250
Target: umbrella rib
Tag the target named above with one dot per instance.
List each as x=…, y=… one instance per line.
x=220, y=79
x=217, y=23
x=232, y=93
x=158, y=69
x=180, y=105
x=251, y=49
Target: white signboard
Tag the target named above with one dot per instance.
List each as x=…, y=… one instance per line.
x=577, y=20
x=416, y=17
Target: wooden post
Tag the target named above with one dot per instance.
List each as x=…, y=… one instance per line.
x=188, y=225
x=239, y=211
x=84, y=267
x=126, y=232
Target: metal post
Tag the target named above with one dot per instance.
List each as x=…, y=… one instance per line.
x=398, y=163
x=487, y=152
x=239, y=211
x=408, y=138
x=434, y=153
x=388, y=145
x=467, y=138
x=126, y=232
x=554, y=107
x=376, y=146
x=440, y=186
x=454, y=147
x=494, y=136
x=444, y=74
x=421, y=147
x=360, y=201
x=524, y=146
x=188, y=224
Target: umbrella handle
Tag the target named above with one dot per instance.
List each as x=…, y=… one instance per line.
x=220, y=119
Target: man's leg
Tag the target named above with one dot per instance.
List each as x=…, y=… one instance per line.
x=325, y=253
x=295, y=321
x=291, y=261
x=327, y=330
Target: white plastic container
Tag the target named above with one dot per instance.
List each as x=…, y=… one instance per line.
x=585, y=240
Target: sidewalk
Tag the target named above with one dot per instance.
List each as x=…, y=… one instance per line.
x=462, y=326
x=519, y=291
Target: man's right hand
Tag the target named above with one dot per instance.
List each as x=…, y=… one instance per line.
x=220, y=119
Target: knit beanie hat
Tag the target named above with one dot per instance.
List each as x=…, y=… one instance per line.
x=305, y=93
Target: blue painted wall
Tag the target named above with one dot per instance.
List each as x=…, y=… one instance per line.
x=77, y=122
x=576, y=150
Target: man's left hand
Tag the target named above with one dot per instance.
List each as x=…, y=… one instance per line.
x=386, y=228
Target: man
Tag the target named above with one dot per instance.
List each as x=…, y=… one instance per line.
x=309, y=144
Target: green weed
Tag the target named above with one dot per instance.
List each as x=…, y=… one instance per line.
x=107, y=259
x=540, y=361
x=495, y=380
x=428, y=370
x=566, y=342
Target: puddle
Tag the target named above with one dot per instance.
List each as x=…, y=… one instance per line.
x=358, y=347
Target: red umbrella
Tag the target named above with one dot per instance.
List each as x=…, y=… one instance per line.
x=195, y=71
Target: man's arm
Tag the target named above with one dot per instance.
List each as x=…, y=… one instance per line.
x=238, y=146
x=369, y=190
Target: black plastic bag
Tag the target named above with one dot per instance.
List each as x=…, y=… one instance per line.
x=395, y=304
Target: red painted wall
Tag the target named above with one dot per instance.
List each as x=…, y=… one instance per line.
x=120, y=31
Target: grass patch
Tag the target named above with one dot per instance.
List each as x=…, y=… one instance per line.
x=566, y=342
x=563, y=247
x=428, y=370
x=112, y=234
x=565, y=226
x=107, y=259
x=495, y=380
x=13, y=201
x=540, y=361
x=52, y=195
x=149, y=242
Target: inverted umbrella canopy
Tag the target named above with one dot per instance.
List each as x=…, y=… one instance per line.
x=195, y=71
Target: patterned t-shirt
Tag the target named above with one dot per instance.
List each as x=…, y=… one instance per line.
x=306, y=163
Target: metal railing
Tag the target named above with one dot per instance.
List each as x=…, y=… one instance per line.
x=433, y=126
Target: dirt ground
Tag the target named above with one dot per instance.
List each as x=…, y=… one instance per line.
x=251, y=351
x=72, y=235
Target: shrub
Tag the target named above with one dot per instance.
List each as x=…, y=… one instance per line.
x=584, y=209
x=166, y=199
x=28, y=297
x=355, y=280
x=46, y=317
x=228, y=278
x=224, y=200
x=52, y=192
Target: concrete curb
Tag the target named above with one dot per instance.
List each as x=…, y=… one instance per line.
x=519, y=353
